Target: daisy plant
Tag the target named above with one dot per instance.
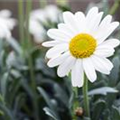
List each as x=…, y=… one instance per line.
x=81, y=46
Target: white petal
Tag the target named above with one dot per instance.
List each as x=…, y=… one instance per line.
x=69, y=19
x=110, y=28
x=89, y=69
x=51, y=43
x=58, y=60
x=91, y=15
x=66, y=66
x=63, y=27
x=39, y=15
x=38, y=38
x=102, y=65
x=91, y=12
x=111, y=42
x=57, y=50
x=52, y=12
x=105, y=21
x=77, y=74
x=58, y=35
x=80, y=21
x=94, y=23
x=35, y=27
x=103, y=26
x=104, y=51
x=5, y=13
x=4, y=31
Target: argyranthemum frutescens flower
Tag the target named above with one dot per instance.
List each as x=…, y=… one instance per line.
x=81, y=45
x=41, y=17
x=6, y=24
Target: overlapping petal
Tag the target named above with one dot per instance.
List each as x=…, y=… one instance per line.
x=58, y=35
x=58, y=60
x=57, y=50
x=66, y=66
x=78, y=74
x=89, y=69
x=102, y=65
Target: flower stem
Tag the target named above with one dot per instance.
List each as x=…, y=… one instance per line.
x=21, y=21
x=115, y=7
x=42, y=3
x=30, y=61
x=85, y=95
x=28, y=10
x=62, y=2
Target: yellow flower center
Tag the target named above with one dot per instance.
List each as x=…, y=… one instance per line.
x=82, y=45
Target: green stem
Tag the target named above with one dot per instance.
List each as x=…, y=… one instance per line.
x=86, y=99
x=21, y=21
x=34, y=86
x=115, y=7
x=30, y=61
x=62, y=2
x=42, y=3
x=28, y=37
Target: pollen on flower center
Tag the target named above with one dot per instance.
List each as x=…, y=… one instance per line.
x=82, y=45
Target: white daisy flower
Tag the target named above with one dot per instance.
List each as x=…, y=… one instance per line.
x=81, y=45
x=6, y=24
x=37, y=30
x=42, y=16
x=50, y=12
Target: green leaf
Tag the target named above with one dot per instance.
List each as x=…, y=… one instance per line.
x=46, y=97
x=116, y=113
x=49, y=102
x=86, y=118
x=15, y=45
x=15, y=73
x=1, y=99
x=3, y=84
x=2, y=56
x=7, y=112
x=106, y=114
x=1, y=44
x=1, y=113
x=50, y=113
x=115, y=71
x=99, y=107
x=60, y=92
x=27, y=88
x=102, y=91
x=40, y=65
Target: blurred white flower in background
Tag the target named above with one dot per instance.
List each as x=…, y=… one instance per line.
x=6, y=24
x=37, y=30
x=42, y=17
x=50, y=12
